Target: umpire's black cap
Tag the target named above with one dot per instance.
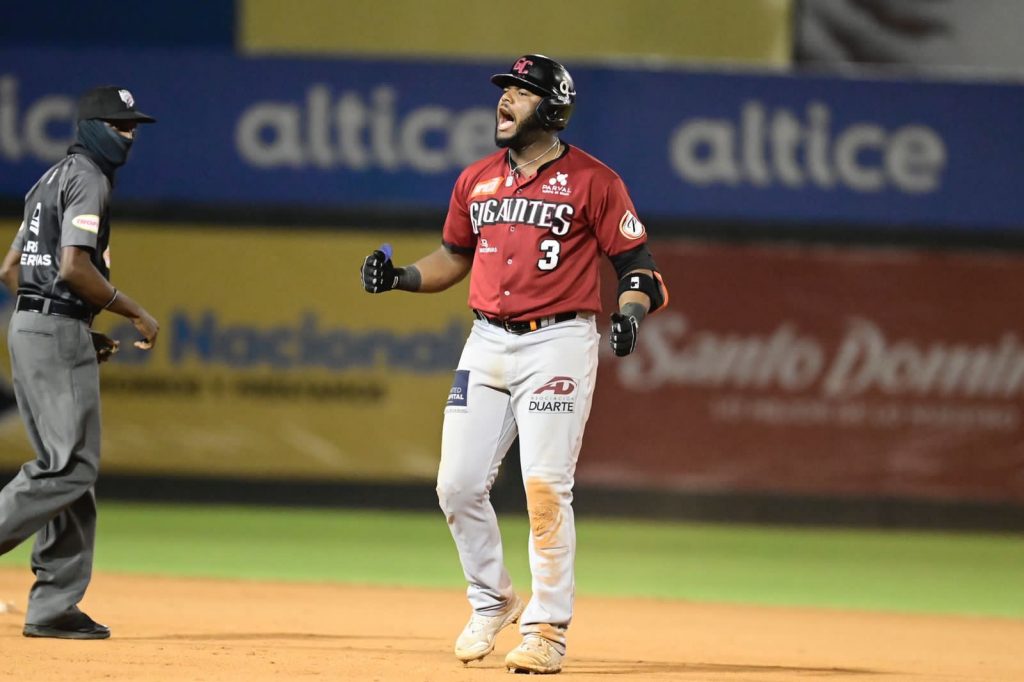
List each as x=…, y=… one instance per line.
x=110, y=103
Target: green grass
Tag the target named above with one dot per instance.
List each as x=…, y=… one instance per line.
x=978, y=574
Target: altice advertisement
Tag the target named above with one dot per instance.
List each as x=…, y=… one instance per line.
x=394, y=134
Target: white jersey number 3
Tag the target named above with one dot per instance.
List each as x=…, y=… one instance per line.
x=550, y=247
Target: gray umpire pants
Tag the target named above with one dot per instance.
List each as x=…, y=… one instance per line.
x=56, y=383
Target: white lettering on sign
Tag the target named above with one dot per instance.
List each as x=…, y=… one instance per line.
x=358, y=132
x=42, y=130
x=777, y=148
x=865, y=359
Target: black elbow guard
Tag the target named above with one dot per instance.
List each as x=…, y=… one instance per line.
x=639, y=258
x=654, y=287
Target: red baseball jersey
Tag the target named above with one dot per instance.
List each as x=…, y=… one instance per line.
x=535, y=243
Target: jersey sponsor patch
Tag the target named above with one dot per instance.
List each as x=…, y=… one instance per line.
x=87, y=222
x=486, y=187
x=630, y=226
x=557, y=184
x=556, y=396
x=458, y=395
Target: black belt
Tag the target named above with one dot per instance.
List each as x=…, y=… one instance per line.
x=525, y=326
x=51, y=306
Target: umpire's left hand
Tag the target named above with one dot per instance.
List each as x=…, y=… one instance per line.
x=104, y=345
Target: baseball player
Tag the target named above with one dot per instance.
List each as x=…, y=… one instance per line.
x=59, y=266
x=529, y=222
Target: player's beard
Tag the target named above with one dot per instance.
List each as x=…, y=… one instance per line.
x=527, y=132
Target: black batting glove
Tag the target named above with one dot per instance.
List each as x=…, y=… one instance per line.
x=378, y=273
x=623, y=334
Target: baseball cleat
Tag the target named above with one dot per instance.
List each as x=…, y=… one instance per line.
x=534, y=655
x=477, y=638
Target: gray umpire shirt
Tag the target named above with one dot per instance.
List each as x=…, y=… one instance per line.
x=68, y=206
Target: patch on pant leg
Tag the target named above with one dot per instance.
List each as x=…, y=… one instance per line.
x=556, y=396
x=458, y=396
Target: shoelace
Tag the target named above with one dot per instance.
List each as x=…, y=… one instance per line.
x=479, y=622
x=537, y=643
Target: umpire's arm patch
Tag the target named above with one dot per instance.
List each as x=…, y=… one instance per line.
x=87, y=222
x=458, y=396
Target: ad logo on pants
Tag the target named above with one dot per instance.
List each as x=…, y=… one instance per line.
x=557, y=395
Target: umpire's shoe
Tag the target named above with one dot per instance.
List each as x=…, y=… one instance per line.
x=72, y=625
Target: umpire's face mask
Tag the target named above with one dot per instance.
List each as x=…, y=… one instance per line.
x=104, y=141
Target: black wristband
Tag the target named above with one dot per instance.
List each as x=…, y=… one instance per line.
x=409, y=278
x=634, y=310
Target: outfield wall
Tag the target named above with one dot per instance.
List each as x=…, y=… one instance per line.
x=272, y=361
x=782, y=372
x=800, y=370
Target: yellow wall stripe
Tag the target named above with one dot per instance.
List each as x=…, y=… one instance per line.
x=745, y=31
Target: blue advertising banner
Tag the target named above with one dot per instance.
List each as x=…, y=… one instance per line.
x=394, y=134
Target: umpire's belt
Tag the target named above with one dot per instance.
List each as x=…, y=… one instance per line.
x=51, y=306
x=525, y=326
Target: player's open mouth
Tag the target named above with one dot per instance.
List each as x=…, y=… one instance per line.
x=505, y=121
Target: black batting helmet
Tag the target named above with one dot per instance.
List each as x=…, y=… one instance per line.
x=547, y=78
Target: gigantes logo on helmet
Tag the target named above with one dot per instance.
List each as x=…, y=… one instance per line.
x=522, y=66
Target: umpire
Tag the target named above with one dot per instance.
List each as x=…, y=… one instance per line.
x=59, y=266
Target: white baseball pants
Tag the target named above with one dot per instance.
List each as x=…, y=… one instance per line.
x=538, y=386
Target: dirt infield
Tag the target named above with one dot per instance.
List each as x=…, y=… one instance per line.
x=228, y=631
